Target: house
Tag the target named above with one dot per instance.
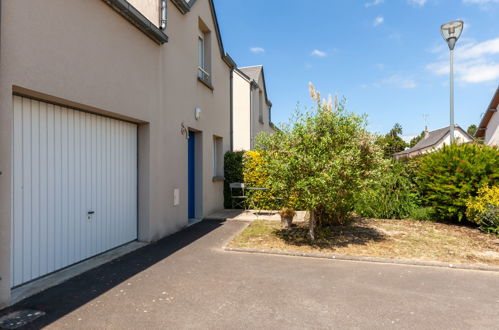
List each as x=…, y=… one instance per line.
x=114, y=118
x=435, y=140
x=251, y=107
x=489, y=126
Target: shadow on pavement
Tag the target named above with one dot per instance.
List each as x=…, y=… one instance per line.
x=64, y=298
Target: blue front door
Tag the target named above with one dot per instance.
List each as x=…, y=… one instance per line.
x=191, y=168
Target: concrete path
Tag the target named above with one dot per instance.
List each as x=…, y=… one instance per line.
x=252, y=215
x=187, y=281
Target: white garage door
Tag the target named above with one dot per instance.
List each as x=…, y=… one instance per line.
x=74, y=187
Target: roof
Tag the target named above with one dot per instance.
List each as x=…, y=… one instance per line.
x=433, y=138
x=185, y=6
x=252, y=73
x=488, y=115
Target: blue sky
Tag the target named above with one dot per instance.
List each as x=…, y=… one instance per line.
x=386, y=57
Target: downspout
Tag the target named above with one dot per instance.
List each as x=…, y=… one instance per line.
x=231, y=110
x=251, y=115
x=162, y=18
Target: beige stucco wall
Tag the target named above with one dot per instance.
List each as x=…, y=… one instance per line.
x=83, y=53
x=149, y=8
x=241, y=113
x=492, y=132
x=247, y=124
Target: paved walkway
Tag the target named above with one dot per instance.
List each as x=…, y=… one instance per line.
x=251, y=215
x=187, y=281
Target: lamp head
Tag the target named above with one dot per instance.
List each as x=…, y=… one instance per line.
x=451, y=32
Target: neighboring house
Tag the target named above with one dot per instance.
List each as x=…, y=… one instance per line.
x=97, y=100
x=489, y=126
x=251, y=107
x=435, y=140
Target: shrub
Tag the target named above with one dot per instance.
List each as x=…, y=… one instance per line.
x=233, y=172
x=390, y=195
x=255, y=175
x=489, y=220
x=323, y=159
x=484, y=209
x=449, y=177
x=422, y=214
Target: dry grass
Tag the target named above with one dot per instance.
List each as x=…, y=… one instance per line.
x=396, y=239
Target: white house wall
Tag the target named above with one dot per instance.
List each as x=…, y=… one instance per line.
x=459, y=136
x=247, y=124
x=492, y=132
x=241, y=113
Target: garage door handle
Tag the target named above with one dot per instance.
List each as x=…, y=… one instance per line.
x=91, y=212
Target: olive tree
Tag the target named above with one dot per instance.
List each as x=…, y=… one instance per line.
x=320, y=161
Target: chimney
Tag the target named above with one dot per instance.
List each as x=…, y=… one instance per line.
x=426, y=132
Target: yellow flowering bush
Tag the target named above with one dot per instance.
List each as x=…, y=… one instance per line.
x=487, y=198
x=255, y=175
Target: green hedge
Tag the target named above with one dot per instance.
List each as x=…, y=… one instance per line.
x=233, y=172
x=390, y=195
x=449, y=177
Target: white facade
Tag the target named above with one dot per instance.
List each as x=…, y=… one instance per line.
x=251, y=108
x=488, y=129
x=492, y=132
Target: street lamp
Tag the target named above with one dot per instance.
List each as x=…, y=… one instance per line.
x=451, y=32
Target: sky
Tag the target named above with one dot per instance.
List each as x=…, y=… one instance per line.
x=386, y=57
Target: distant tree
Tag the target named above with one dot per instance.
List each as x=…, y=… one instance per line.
x=392, y=142
x=472, y=130
x=416, y=139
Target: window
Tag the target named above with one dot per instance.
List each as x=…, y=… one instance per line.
x=204, y=54
x=217, y=157
x=260, y=109
x=202, y=72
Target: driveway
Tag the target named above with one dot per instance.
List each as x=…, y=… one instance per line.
x=187, y=281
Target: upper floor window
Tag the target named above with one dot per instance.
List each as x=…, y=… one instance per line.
x=204, y=53
x=203, y=74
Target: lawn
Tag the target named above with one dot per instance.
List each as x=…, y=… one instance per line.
x=394, y=239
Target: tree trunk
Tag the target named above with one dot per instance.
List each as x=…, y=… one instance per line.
x=286, y=222
x=312, y=224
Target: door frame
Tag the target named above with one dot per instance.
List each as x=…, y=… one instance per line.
x=195, y=137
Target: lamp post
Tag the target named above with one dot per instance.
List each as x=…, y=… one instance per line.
x=451, y=32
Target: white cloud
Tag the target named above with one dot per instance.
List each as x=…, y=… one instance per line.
x=474, y=63
x=257, y=50
x=378, y=20
x=419, y=3
x=318, y=53
x=373, y=3
x=395, y=81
